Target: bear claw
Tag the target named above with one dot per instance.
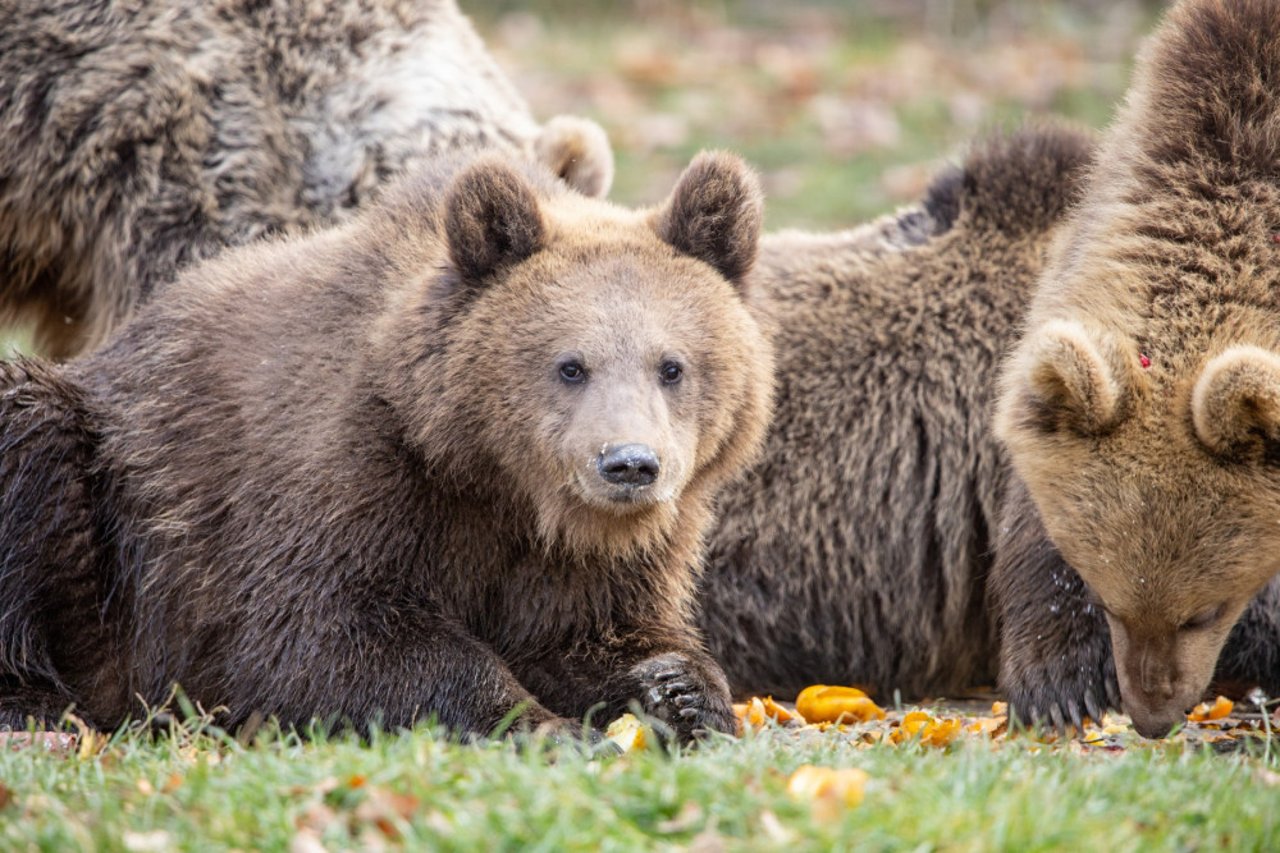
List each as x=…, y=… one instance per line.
x=677, y=695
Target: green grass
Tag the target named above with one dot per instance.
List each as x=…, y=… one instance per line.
x=209, y=792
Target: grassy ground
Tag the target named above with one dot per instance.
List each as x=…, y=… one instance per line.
x=419, y=790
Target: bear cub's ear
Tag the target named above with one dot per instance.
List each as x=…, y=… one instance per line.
x=1070, y=381
x=715, y=213
x=1237, y=399
x=492, y=219
x=577, y=150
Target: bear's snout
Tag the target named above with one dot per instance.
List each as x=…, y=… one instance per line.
x=631, y=465
x=1155, y=724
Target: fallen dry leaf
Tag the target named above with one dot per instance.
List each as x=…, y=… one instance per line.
x=773, y=828
x=58, y=743
x=147, y=842
x=306, y=841
x=1267, y=777
x=384, y=809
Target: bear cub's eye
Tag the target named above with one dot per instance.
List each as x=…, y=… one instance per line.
x=573, y=372
x=1203, y=619
x=670, y=372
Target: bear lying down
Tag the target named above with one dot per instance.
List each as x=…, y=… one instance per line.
x=455, y=458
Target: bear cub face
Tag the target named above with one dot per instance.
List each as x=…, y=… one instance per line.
x=1158, y=489
x=619, y=365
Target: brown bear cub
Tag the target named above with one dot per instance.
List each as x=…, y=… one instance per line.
x=857, y=549
x=1142, y=407
x=138, y=138
x=455, y=458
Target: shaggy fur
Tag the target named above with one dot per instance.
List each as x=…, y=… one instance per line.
x=136, y=138
x=858, y=549
x=1142, y=408
x=352, y=476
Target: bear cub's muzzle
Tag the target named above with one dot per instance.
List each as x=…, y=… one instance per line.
x=628, y=467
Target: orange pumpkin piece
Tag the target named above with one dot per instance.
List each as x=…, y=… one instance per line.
x=930, y=731
x=779, y=713
x=828, y=790
x=1221, y=707
x=822, y=703
x=756, y=712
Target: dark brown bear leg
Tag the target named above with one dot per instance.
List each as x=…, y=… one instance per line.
x=1251, y=657
x=663, y=671
x=24, y=706
x=394, y=669
x=1056, y=663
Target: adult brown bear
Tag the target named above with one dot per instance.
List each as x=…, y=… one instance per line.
x=455, y=458
x=857, y=549
x=136, y=138
x=1142, y=407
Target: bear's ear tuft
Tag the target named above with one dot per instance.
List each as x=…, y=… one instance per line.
x=1069, y=381
x=715, y=213
x=1236, y=400
x=577, y=151
x=492, y=219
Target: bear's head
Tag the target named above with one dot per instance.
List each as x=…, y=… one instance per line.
x=1160, y=490
x=599, y=364
x=1142, y=406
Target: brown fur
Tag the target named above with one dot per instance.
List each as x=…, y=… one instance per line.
x=342, y=476
x=857, y=550
x=140, y=137
x=1158, y=484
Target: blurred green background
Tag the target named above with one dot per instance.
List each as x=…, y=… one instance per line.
x=847, y=108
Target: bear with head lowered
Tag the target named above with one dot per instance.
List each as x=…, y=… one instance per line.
x=857, y=549
x=1141, y=410
x=453, y=459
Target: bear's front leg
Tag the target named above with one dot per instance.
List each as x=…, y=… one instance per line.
x=1056, y=664
x=687, y=692
x=1251, y=657
x=663, y=671
x=387, y=665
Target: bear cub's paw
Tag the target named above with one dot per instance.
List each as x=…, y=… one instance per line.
x=689, y=697
x=1059, y=686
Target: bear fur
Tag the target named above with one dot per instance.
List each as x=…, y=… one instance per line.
x=455, y=458
x=857, y=550
x=139, y=137
x=1141, y=410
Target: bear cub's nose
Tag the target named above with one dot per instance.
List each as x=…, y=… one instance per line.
x=629, y=465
